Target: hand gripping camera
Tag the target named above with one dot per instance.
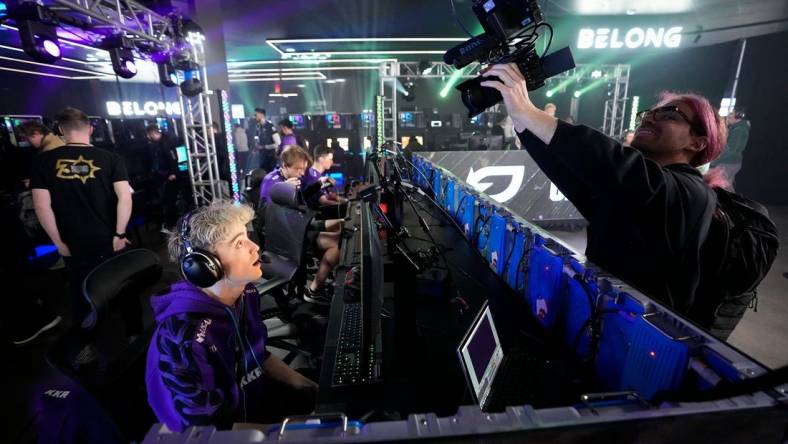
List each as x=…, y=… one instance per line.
x=509, y=37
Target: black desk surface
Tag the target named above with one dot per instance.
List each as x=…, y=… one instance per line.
x=421, y=327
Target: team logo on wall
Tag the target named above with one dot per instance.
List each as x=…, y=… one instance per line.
x=516, y=174
x=82, y=169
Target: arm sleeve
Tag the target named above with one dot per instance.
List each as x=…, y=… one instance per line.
x=189, y=377
x=601, y=165
x=574, y=190
x=36, y=178
x=119, y=173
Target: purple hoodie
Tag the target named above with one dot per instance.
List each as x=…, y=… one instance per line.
x=195, y=374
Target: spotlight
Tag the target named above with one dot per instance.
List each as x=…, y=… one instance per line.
x=550, y=93
x=425, y=68
x=167, y=74
x=36, y=31
x=191, y=85
x=596, y=74
x=408, y=90
x=120, y=53
x=577, y=93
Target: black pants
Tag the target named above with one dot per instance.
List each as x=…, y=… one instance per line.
x=268, y=160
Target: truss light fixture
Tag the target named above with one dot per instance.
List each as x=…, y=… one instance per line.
x=168, y=76
x=37, y=31
x=120, y=53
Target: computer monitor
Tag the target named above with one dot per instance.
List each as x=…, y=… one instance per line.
x=344, y=142
x=333, y=121
x=367, y=144
x=237, y=112
x=406, y=120
x=339, y=178
x=12, y=124
x=101, y=132
x=183, y=158
x=367, y=120
x=406, y=140
x=298, y=121
x=481, y=354
x=477, y=120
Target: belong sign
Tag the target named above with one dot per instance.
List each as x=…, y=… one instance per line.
x=137, y=109
x=632, y=38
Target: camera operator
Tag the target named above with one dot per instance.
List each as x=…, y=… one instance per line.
x=648, y=207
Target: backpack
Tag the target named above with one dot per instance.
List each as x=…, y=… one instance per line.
x=739, y=251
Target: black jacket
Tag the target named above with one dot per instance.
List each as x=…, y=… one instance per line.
x=646, y=223
x=165, y=156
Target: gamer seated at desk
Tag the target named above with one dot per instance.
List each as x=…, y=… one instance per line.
x=207, y=362
x=324, y=235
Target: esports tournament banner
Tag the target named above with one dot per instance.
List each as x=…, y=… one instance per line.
x=512, y=179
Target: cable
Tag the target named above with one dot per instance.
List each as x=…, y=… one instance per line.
x=457, y=18
x=550, y=41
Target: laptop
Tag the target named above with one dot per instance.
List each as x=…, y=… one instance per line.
x=497, y=379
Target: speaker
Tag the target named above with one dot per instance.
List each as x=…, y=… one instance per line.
x=199, y=267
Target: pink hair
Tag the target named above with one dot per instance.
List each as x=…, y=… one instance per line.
x=714, y=130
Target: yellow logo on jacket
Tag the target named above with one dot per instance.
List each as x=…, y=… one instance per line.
x=82, y=169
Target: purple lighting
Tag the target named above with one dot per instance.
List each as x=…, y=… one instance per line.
x=51, y=48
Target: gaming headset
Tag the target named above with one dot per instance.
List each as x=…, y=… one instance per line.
x=199, y=267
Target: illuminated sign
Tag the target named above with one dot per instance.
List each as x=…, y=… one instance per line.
x=615, y=38
x=131, y=109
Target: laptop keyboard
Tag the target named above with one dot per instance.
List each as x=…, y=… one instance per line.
x=518, y=381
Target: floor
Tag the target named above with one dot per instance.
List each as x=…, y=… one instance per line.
x=762, y=334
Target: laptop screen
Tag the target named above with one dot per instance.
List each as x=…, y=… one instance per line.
x=481, y=354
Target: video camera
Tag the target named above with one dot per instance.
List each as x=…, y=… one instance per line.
x=509, y=37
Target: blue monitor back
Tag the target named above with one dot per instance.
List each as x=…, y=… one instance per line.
x=544, y=290
x=496, y=244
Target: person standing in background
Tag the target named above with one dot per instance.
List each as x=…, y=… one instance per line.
x=288, y=134
x=83, y=200
x=265, y=141
x=738, y=136
x=241, y=143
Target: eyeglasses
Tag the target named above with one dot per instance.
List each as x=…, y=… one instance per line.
x=670, y=113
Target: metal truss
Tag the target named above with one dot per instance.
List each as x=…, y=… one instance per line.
x=153, y=32
x=616, y=106
x=198, y=133
x=98, y=18
x=392, y=71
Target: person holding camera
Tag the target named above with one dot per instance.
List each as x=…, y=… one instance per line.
x=648, y=207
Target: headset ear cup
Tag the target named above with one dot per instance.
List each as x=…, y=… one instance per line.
x=201, y=268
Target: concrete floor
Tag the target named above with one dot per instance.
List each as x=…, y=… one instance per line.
x=762, y=334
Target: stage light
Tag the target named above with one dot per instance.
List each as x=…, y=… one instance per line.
x=425, y=68
x=550, y=93
x=191, y=85
x=596, y=74
x=455, y=78
x=577, y=94
x=408, y=92
x=167, y=74
x=36, y=25
x=120, y=53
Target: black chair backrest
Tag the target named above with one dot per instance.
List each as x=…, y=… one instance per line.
x=285, y=223
x=125, y=274
x=254, y=179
